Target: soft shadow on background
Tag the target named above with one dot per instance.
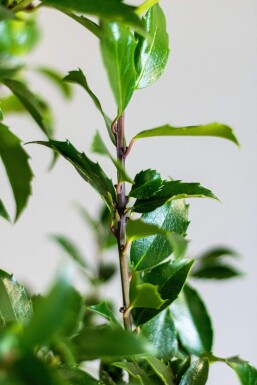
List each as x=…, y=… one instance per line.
x=211, y=76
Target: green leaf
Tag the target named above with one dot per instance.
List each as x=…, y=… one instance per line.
x=161, y=370
x=70, y=248
x=91, y=172
x=217, y=271
x=161, y=333
x=135, y=371
x=137, y=229
x=15, y=161
x=143, y=294
x=212, y=255
x=1, y=113
x=150, y=251
x=85, y=22
x=6, y=14
x=104, y=310
x=152, y=52
x=56, y=78
x=146, y=184
x=192, y=322
x=75, y=376
x=246, y=373
x=36, y=107
x=170, y=277
x=14, y=303
x=179, y=366
x=172, y=190
x=104, y=341
x=212, y=129
x=197, y=374
x=79, y=78
x=3, y=211
x=118, y=46
x=11, y=104
x=106, y=9
x=99, y=147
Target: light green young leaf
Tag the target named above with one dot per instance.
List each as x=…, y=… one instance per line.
x=246, y=373
x=104, y=310
x=118, y=46
x=172, y=190
x=135, y=371
x=15, y=161
x=212, y=129
x=79, y=78
x=11, y=104
x=56, y=78
x=146, y=184
x=197, y=374
x=14, y=303
x=161, y=333
x=3, y=212
x=150, y=251
x=162, y=371
x=36, y=107
x=152, y=52
x=91, y=172
x=70, y=248
x=192, y=322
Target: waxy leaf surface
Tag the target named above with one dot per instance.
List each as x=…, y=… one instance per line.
x=144, y=294
x=152, y=52
x=192, y=322
x=197, y=374
x=118, y=46
x=161, y=370
x=246, y=373
x=146, y=184
x=91, y=172
x=150, y=251
x=16, y=163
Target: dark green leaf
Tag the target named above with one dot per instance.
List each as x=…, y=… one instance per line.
x=3, y=211
x=118, y=46
x=75, y=376
x=150, y=251
x=161, y=333
x=211, y=256
x=161, y=370
x=146, y=184
x=106, y=9
x=14, y=303
x=79, y=78
x=216, y=271
x=135, y=371
x=170, y=277
x=179, y=366
x=70, y=248
x=1, y=113
x=246, y=373
x=104, y=310
x=211, y=129
x=56, y=78
x=9, y=71
x=91, y=172
x=15, y=160
x=36, y=107
x=197, y=374
x=105, y=341
x=192, y=322
x=106, y=270
x=172, y=190
x=152, y=52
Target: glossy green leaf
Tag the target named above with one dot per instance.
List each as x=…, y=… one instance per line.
x=211, y=129
x=118, y=46
x=106, y=9
x=14, y=303
x=172, y=190
x=152, y=52
x=216, y=271
x=144, y=294
x=104, y=310
x=36, y=107
x=246, y=373
x=161, y=333
x=146, y=184
x=197, y=374
x=137, y=229
x=70, y=248
x=135, y=371
x=170, y=277
x=161, y=370
x=79, y=78
x=91, y=172
x=105, y=341
x=179, y=366
x=192, y=322
x=150, y=251
x=76, y=376
x=15, y=161
x=99, y=147
x=3, y=212
x=57, y=79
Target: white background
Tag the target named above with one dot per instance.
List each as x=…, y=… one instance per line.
x=211, y=76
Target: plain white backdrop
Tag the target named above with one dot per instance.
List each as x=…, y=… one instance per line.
x=211, y=76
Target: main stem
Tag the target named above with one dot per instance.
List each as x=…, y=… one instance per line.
x=122, y=221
